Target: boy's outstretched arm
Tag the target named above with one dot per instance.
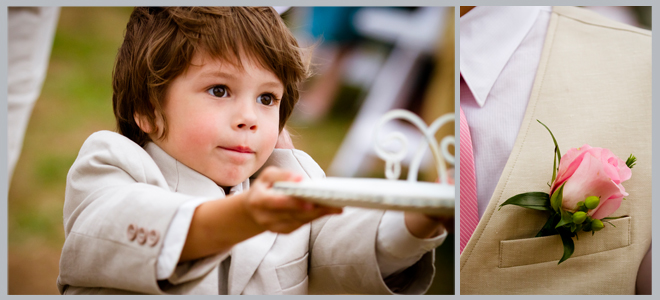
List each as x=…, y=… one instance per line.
x=424, y=226
x=218, y=225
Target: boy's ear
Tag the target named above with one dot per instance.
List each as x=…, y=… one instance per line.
x=143, y=123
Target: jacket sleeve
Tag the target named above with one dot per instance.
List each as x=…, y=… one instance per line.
x=343, y=247
x=117, y=209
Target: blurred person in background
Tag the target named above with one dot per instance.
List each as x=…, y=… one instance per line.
x=30, y=38
x=333, y=29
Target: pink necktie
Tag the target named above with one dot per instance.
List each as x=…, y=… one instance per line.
x=468, y=185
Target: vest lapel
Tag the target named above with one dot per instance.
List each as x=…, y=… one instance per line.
x=515, y=152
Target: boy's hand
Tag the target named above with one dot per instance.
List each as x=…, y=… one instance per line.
x=424, y=226
x=280, y=213
x=218, y=225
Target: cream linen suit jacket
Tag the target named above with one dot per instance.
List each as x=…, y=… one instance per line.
x=115, y=184
x=593, y=86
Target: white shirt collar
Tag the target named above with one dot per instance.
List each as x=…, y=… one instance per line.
x=489, y=36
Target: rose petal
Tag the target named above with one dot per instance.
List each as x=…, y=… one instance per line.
x=624, y=172
x=572, y=155
x=589, y=179
x=610, y=205
x=607, y=208
x=610, y=164
x=569, y=163
x=614, y=161
x=612, y=170
x=618, y=166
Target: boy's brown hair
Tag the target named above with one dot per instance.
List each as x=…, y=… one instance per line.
x=160, y=42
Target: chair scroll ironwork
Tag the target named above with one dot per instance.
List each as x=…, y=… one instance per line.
x=393, y=160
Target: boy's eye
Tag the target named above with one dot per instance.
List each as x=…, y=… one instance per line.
x=218, y=91
x=266, y=99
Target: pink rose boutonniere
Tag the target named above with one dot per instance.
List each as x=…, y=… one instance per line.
x=586, y=189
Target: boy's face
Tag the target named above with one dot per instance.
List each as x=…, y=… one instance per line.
x=222, y=122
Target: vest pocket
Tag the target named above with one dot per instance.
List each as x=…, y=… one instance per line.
x=549, y=248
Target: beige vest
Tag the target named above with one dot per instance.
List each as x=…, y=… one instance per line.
x=593, y=86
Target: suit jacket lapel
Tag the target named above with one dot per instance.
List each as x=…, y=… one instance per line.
x=181, y=178
x=246, y=257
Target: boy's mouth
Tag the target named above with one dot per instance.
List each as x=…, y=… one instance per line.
x=239, y=149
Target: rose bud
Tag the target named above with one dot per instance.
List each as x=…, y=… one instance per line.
x=597, y=225
x=588, y=171
x=592, y=202
x=579, y=217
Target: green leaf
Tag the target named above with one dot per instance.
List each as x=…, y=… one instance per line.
x=569, y=246
x=549, y=227
x=614, y=218
x=610, y=223
x=554, y=140
x=631, y=161
x=533, y=200
x=577, y=228
x=554, y=165
x=566, y=218
x=557, y=197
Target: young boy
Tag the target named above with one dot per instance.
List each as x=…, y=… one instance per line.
x=201, y=96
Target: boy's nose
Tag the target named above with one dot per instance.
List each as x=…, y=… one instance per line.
x=246, y=118
x=243, y=125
